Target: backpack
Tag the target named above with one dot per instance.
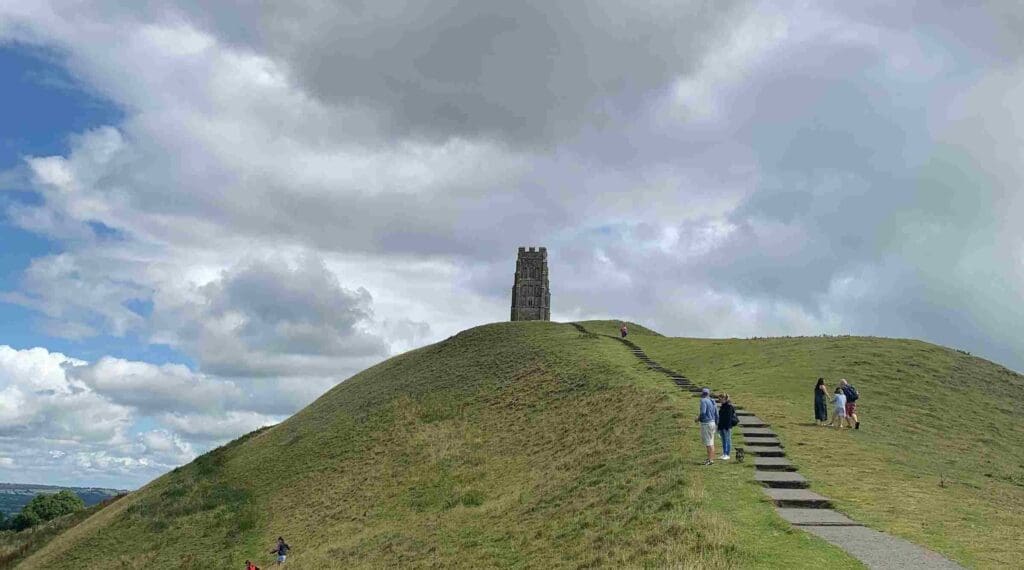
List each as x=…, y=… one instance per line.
x=851, y=394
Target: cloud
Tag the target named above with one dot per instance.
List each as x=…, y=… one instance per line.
x=59, y=413
x=268, y=318
x=523, y=72
x=166, y=447
x=297, y=191
x=150, y=388
x=38, y=400
x=216, y=428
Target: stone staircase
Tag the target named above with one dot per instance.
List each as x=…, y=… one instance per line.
x=794, y=502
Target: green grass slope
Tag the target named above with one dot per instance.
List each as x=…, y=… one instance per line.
x=939, y=458
x=508, y=445
x=17, y=545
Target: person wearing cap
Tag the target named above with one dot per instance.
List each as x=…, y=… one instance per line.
x=708, y=419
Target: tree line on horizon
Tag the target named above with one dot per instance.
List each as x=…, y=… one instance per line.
x=43, y=508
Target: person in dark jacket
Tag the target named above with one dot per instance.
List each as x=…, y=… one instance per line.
x=851, y=403
x=820, y=402
x=727, y=419
x=281, y=550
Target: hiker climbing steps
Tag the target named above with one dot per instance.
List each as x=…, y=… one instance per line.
x=795, y=503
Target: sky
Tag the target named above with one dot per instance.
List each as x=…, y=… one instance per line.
x=211, y=214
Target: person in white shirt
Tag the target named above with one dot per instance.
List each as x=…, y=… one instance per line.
x=838, y=408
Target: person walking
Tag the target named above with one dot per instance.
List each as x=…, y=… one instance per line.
x=623, y=330
x=281, y=550
x=820, y=402
x=708, y=419
x=851, y=403
x=727, y=419
x=838, y=409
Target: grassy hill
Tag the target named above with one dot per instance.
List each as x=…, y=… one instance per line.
x=511, y=445
x=15, y=546
x=939, y=458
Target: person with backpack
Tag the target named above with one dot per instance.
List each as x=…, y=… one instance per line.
x=851, y=403
x=708, y=418
x=281, y=550
x=727, y=419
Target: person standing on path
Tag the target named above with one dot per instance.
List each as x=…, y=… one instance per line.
x=281, y=549
x=851, y=403
x=820, y=402
x=838, y=409
x=727, y=419
x=708, y=419
x=623, y=331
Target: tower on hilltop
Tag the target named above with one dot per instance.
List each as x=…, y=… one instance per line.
x=531, y=297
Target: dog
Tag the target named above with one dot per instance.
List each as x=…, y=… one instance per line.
x=740, y=454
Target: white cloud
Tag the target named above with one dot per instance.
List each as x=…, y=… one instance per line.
x=152, y=388
x=58, y=412
x=166, y=447
x=226, y=426
x=284, y=204
x=38, y=400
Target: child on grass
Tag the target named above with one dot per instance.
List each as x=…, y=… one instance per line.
x=838, y=409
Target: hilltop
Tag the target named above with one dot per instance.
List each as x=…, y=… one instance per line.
x=530, y=443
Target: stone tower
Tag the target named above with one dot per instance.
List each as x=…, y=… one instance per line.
x=531, y=298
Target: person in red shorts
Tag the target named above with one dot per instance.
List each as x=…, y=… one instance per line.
x=851, y=403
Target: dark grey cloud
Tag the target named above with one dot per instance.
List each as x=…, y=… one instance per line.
x=517, y=71
x=269, y=317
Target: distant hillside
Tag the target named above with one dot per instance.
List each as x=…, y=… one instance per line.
x=15, y=546
x=939, y=458
x=507, y=445
x=14, y=496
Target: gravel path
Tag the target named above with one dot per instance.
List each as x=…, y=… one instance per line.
x=879, y=550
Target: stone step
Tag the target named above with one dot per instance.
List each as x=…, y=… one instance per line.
x=752, y=421
x=763, y=441
x=765, y=450
x=773, y=464
x=817, y=517
x=798, y=498
x=781, y=479
x=756, y=431
x=742, y=412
